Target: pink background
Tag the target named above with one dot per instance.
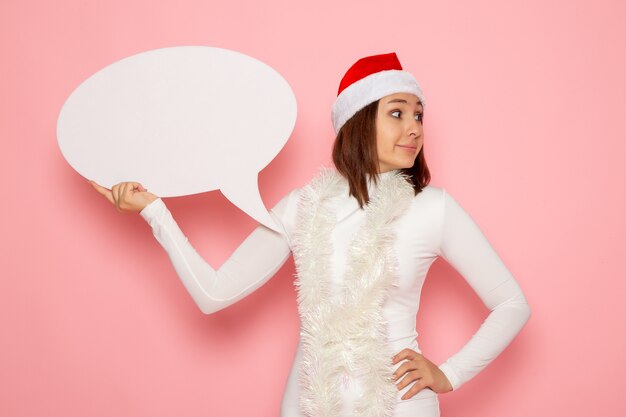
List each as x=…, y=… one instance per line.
x=524, y=125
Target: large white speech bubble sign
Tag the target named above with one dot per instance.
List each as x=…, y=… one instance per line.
x=180, y=120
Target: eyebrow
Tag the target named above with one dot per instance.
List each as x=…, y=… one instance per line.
x=399, y=100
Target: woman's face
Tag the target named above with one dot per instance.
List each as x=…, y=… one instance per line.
x=399, y=132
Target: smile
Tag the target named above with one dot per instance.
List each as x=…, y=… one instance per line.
x=408, y=148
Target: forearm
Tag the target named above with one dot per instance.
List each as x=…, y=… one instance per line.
x=497, y=331
x=467, y=249
x=252, y=264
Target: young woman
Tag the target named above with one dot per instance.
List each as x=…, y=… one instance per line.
x=363, y=235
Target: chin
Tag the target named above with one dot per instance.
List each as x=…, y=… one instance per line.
x=403, y=166
x=401, y=163
x=408, y=164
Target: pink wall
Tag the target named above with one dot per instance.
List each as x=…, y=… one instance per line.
x=524, y=125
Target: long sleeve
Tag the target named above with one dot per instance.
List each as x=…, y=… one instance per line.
x=250, y=266
x=466, y=248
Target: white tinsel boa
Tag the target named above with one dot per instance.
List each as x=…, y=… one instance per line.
x=344, y=333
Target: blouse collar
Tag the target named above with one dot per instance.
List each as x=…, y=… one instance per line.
x=371, y=186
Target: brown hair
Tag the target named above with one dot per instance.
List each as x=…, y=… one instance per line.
x=355, y=156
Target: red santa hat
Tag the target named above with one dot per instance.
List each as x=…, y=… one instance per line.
x=370, y=79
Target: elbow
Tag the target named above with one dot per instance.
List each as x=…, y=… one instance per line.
x=520, y=303
x=518, y=309
x=523, y=312
x=209, y=305
x=524, y=306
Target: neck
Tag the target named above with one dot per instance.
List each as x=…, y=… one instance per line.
x=372, y=186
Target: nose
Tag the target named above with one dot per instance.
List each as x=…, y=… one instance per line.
x=414, y=127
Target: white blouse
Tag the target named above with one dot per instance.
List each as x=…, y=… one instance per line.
x=433, y=225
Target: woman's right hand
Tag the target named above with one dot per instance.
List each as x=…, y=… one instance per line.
x=127, y=197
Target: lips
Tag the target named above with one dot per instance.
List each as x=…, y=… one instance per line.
x=408, y=147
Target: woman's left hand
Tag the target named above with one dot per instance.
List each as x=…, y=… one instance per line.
x=417, y=367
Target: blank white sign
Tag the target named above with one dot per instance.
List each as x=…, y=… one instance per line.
x=181, y=120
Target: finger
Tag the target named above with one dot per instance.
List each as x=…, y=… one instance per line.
x=98, y=187
x=125, y=192
x=116, y=195
x=120, y=196
x=140, y=188
x=404, y=354
x=404, y=368
x=132, y=186
x=102, y=190
x=417, y=387
x=408, y=378
x=400, y=355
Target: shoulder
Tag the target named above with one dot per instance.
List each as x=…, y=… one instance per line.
x=284, y=212
x=421, y=223
x=320, y=184
x=287, y=202
x=429, y=205
x=435, y=196
x=431, y=192
x=431, y=196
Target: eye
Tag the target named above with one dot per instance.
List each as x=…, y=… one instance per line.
x=396, y=113
x=419, y=117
